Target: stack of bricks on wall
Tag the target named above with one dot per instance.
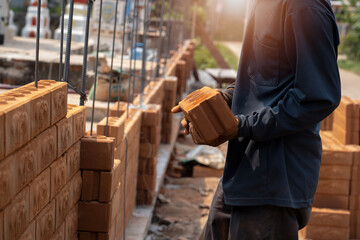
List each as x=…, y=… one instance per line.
x=336, y=212
x=39, y=162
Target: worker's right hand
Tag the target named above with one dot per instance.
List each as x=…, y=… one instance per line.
x=184, y=121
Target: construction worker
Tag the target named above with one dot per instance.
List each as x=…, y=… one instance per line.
x=287, y=82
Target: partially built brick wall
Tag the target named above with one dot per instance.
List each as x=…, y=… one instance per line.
x=39, y=168
x=336, y=212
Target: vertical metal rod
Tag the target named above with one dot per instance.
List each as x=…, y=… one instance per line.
x=122, y=58
x=62, y=39
x=131, y=59
x=86, y=45
x=96, y=68
x=126, y=158
x=167, y=38
x=144, y=54
x=37, y=43
x=160, y=39
x=111, y=68
x=68, y=42
x=136, y=37
x=152, y=76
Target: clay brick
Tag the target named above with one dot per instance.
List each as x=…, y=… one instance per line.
x=145, y=197
x=148, y=150
x=121, y=150
x=47, y=148
x=355, y=188
x=63, y=204
x=336, y=156
x=72, y=160
x=146, y=182
x=96, y=216
x=60, y=233
x=90, y=187
x=116, y=127
x=147, y=166
x=151, y=115
x=79, y=121
x=347, y=107
x=345, y=137
x=17, y=124
x=330, y=217
x=340, y=187
x=30, y=232
x=58, y=175
x=110, y=182
x=58, y=98
x=209, y=114
x=335, y=172
x=45, y=222
x=202, y=172
x=64, y=134
x=75, y=185
x=325, y=233
x=40, y=110
x=40, y=193
x=97, y=153
x=355, y=173
x=7, y=180
x=16, y=215
x=354, y=217
x=150, y=134
x=331, y=201
x=122, y=106
x=71, y=223
x=350, y=124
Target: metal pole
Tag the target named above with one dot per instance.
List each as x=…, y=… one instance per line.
x=136, y=36
x=86, y=45
x=144, y=54
x=96, y=68
x=131, y=58
x=68, y=42
x=167, y=38
x=122, y=58
x=111, y=69
x=62, y=40
x=37, y=43
x=160, y=39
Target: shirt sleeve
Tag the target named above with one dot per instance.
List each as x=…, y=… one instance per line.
x=310, y=42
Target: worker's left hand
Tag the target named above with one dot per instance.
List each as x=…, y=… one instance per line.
x=184, y=121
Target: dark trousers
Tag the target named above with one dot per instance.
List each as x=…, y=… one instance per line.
x=252, y=222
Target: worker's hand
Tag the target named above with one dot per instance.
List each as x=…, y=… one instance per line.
x=184, y=121
x=225, y=97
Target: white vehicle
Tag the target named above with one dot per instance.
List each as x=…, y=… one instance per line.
x=4, y=18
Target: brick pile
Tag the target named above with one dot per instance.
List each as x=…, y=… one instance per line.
x=209, y=113
x=170, y=85
x=327, y=123
x=338, y=193
x=39, y=171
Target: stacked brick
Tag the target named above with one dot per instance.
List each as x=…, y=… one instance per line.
x=103, y=164
x=338, y=192
x=170, y=85
x=39, y=171
x=149, y=146
x=327, y=123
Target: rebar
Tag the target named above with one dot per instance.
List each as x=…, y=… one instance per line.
x=144, y=54
x=37, y=48
x=62, y=39
x=68, y=42
x=160, y=39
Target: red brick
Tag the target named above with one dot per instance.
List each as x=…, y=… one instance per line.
x=325, y=233
x=63, y=204
x=146, y=182
x=97, y=153
x=60, y=233
x=72, y=160
x=331, y=201
x=71, y=223
x=347, y=107
x=336, y=156
x=96, y=216
x=58, y=98
x=330, y=217
x=75, y=188
x=7, y=180
x=350, y=124
x=40, y=193
x=148, y=150
x=58, y=175
x=151, y=115
x=345, y=137
x=355, y=188
x=116, y=127
x=47, y=148
x=1, y=225
x=200, y=171
x=79, y=121
x=147, y=166
x=30, y=232
x=64, y=134
x=150, y=134
x=335, y=172
x=45, y=222
x=16, y=215
x=110, y=182
x=90, y=186
x=145, y=197
x=339, y=187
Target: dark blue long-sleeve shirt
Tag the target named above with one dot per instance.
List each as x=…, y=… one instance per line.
x=287, y=82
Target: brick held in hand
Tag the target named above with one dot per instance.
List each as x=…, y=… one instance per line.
x=116, y=128
x=97, y=153
x=209, y=113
